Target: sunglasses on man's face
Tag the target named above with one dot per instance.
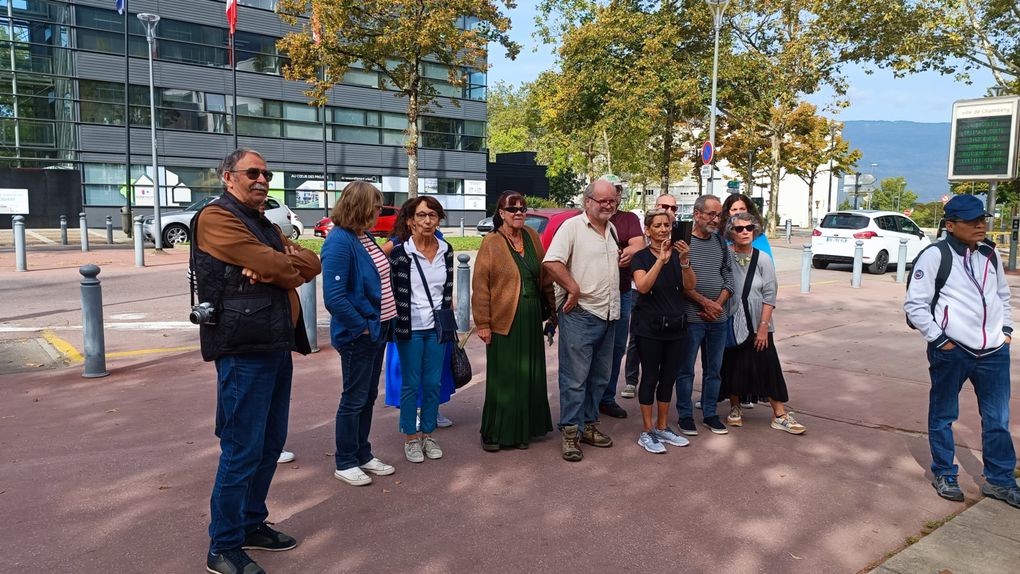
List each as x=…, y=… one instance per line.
x=515, y=209
x=672, y=208
x=743, y=228
x=253, y=173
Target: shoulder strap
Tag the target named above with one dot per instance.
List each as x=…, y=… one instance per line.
x=752, y=267
x=945, y=268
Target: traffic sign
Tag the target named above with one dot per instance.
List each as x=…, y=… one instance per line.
x=908, y=212
x=733, y=184
x=706, y=171
x=707, y=153
x=945, y=198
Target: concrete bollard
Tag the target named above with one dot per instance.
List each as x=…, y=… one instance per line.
x=462, y=227
x=855, y=279
x=901, y=267
x=789, y=230
x=805, y=269
x=92, y=322
x=63, y=230
x=109, y=230
x=306, y=293
x=463, y=311
x=18, y=226
x=84, y=229
x=139, y=243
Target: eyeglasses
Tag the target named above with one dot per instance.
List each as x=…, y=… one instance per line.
x=743, y=228
x=672, y=208
x=605, y=202
x=972, y=222
x=253, y=173
x=423, y=215
x=515, y=209
x=710, y=214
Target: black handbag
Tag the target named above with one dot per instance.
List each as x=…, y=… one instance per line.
x=460, y=365
x=443, y=320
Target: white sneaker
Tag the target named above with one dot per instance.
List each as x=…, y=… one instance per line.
x=747, y=405
x=629, y=391
x=431, y=448
x=668, y=436
x=378, y=467
x=285, y=457
x=697, y=404
x=353, y=476
x=443, y=422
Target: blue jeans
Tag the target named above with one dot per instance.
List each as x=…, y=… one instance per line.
x=361, y=364
x=990, y=376
x=710, y=339
x=421, y=369
x=252, y=405
x=585, y=350
x=621, y=331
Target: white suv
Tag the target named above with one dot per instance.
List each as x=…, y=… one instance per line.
x=835, y=238
x=177, y=224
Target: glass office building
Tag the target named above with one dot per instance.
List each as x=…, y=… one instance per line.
x=64, y=103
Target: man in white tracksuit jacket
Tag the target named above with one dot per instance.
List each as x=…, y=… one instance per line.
x=968, y=331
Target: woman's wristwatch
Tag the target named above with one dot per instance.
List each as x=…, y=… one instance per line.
x=685, y=265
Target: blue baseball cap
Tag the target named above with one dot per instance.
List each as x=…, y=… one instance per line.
x=965, y=208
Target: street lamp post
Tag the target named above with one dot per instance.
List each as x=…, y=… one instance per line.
x=718, y=7
x=150, y=21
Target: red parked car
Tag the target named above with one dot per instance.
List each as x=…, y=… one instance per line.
x=383, y=227
x=545, y=220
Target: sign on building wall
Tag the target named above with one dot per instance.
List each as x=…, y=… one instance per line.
x=983, y=142
x=14, y=201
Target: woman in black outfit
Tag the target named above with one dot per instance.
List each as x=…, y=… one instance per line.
x=661, y=270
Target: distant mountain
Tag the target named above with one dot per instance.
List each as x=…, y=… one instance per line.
x=918, y=152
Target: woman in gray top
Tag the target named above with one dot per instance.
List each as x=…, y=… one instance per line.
x=751, y=366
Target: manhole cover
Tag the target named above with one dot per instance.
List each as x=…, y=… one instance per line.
x=20, y=355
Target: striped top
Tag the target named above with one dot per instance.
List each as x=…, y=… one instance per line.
x=382, y=263
x=711, y=261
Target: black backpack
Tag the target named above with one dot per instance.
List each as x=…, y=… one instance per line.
x=945, y=268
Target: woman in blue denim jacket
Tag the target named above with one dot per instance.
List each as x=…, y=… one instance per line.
x=358, y=294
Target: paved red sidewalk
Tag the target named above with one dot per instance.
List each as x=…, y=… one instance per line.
x=98, y=475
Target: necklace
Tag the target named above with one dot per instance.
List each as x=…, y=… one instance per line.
x=742, y=259
x=513, y=244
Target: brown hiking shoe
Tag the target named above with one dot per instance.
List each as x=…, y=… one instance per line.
x=593, y=436
x=571, y=448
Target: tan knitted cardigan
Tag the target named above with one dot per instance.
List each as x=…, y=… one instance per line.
x=496, y=285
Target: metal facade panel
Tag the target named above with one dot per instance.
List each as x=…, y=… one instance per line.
x=194, y=144
x=109, y=139
x=105, y=67
x=355, y=156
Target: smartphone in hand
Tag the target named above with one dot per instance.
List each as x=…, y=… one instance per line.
x=681, y=232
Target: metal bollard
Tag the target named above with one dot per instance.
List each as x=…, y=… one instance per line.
x=855, y=280
x=63, y=230
x=109, y=230
x=463, y=293
x=805, y=269
x=306, y=293
x=901, y=267
x=92, y=322
x=462, y=227
x=789, y=230
x=84, y=228
x=139, y=243
x=1013, y=237
x=21, y=263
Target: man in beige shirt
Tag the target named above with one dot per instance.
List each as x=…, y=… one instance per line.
x=583, y=259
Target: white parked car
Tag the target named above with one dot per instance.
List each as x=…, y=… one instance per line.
x=177, y=224
x=835, y=238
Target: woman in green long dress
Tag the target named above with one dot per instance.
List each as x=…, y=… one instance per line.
x=511, y=296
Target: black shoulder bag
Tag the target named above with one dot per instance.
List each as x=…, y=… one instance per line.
x=444, y=321
x=752, y=267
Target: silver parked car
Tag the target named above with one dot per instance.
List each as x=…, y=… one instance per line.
x=177, y=224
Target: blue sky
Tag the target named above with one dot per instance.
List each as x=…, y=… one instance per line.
x=926, y=97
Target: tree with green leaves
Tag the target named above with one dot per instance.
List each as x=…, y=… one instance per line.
x=892, y=195
x=397, y=39
x=815, y=145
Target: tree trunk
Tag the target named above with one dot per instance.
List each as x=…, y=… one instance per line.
x=667, y=150
x=811, y=200
x=773, y=218
x=606, y=151
x=412, y=138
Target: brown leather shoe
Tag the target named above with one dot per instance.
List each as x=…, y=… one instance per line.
x=571, y=448
x=593, y=436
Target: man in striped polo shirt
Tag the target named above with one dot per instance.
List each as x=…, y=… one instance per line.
x=706, y=317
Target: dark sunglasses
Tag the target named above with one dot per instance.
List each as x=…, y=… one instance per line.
x=515, y=209
x=672, y=208
x=253, y=173
x=741, y=228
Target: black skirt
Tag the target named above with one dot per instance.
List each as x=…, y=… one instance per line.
x=748, y=371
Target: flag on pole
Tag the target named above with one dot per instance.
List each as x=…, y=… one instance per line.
x=232, y=15
x=120, y=6
x=316, y=34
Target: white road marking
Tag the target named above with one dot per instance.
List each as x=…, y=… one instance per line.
x=127, y=316
x=39, y=237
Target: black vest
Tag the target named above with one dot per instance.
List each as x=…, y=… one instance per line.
x=249, y=318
